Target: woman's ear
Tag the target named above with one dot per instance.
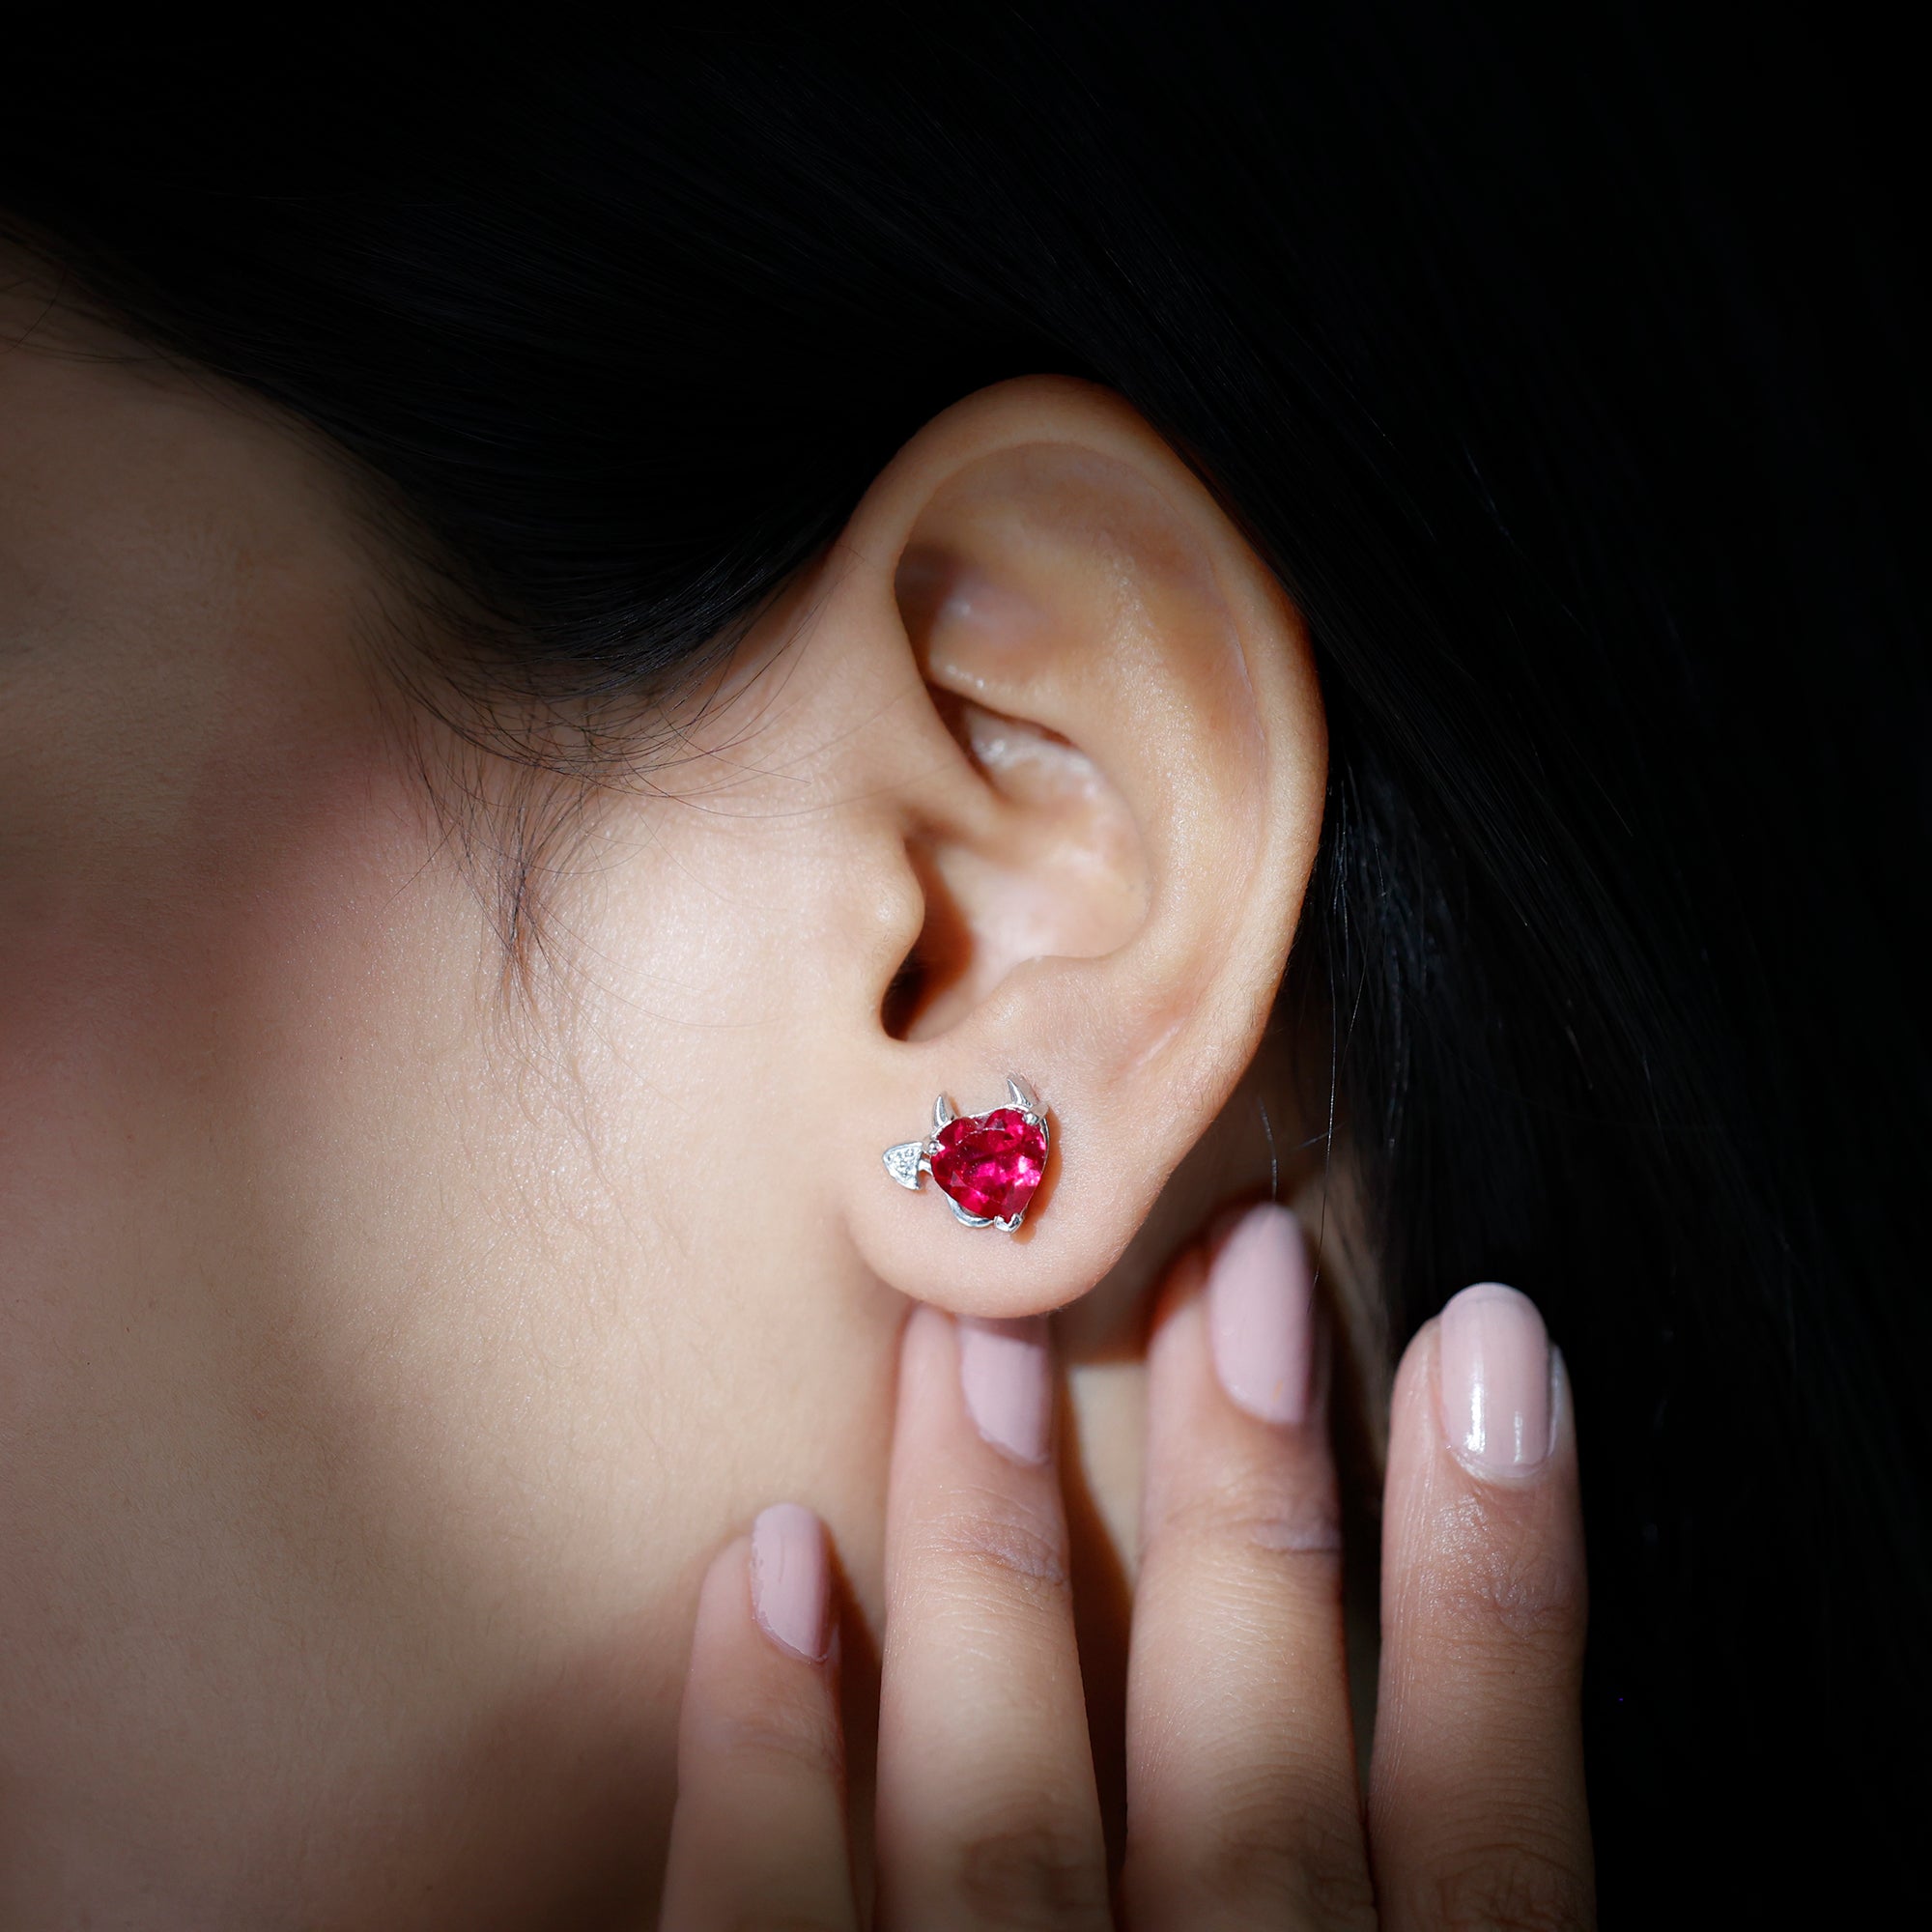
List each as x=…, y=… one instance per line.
x=1085, y=770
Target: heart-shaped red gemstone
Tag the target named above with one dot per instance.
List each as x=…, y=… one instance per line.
x=990, y=1163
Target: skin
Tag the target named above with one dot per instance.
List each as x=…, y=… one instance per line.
x=1243, y=1801
x=391, y=1341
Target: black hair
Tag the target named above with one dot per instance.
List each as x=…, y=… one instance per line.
x=1566, y=372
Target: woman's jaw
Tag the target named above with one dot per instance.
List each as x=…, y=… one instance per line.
x=406, y=1300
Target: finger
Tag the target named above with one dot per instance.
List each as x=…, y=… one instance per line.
x=758, y=1834
x=986, y=1808
x=1476, y=1813
x=1242, y=1801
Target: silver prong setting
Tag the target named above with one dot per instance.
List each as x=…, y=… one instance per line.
x=910, y=1161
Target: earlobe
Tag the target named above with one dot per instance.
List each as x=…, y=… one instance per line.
x=1111, y=846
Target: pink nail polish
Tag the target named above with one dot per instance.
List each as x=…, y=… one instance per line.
x=1494, y=1373
x=791, y=1580
x=1261, y=1316
x=1008, y=1380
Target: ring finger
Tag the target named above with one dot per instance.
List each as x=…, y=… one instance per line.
x=1242, y=1793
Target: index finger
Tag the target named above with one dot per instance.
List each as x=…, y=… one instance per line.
x=758, y=1835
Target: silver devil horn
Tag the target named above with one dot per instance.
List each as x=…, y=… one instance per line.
x=943, y=1114
x=1024, y=1097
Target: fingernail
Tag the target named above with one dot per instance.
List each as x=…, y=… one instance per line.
x=791, y=1580
x=1008, y=1380
x=1261, y=1316
x=1495, y=1380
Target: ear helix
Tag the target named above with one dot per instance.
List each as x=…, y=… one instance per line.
x=987, y=1165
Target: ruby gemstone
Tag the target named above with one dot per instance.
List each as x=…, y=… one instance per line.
x=990, y=1163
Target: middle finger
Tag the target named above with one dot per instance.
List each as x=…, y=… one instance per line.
x=986, y=1807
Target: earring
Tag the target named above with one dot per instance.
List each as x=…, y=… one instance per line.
x=987, y=1165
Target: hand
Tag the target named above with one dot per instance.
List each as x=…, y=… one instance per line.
x=1242, y=1791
